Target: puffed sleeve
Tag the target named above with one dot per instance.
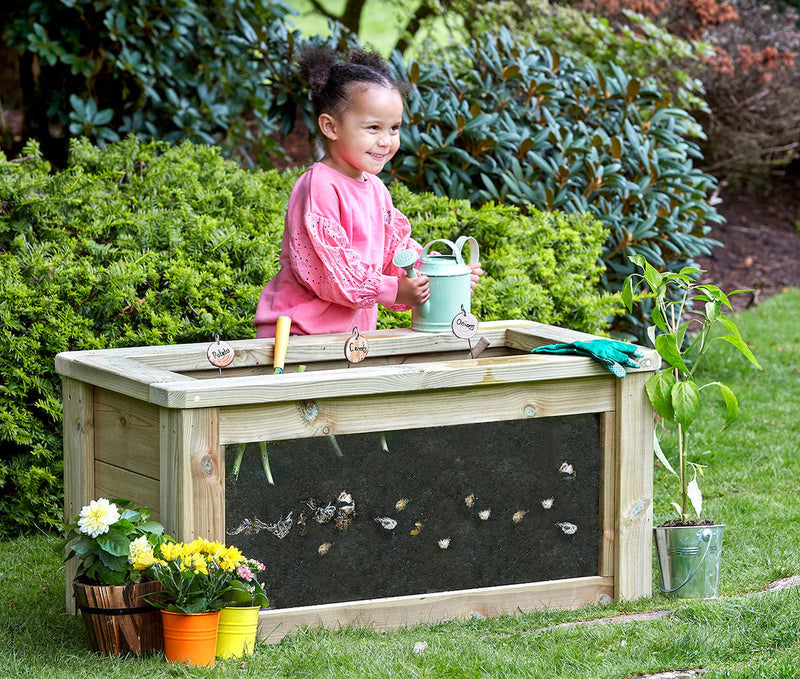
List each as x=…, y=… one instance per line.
x=321, y=257
x=398, y=238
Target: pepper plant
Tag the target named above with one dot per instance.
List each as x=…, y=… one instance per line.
x=687, y=317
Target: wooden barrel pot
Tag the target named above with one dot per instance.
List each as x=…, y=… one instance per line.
x=117, y=620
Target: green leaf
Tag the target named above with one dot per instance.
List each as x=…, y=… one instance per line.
x=661, y=457
x=151, y=527
x=694, y=495
x=658, y=319
x=114, y=563
x=736, y=340
x=731, y=403
x=667, y=348
x=685, y=402
x=114, y=543
x=659, y=391
x=627, y=293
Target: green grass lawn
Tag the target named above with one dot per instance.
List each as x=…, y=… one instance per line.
x=751, y=485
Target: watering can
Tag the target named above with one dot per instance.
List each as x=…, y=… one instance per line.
x=449, y=280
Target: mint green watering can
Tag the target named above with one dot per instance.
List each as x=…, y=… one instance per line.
x=449, y=280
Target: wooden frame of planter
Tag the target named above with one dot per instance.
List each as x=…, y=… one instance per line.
x=152, y=423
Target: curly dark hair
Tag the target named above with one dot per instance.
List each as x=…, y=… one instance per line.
x=329, y=78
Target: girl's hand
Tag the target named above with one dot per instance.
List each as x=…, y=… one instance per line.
x=474, y=275
x=412, y=291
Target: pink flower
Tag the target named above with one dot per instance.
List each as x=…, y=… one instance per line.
x=244, y=573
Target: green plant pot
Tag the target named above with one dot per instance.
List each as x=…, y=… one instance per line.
x=688, y=560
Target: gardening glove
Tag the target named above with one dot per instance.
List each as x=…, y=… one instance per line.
x=613, y=355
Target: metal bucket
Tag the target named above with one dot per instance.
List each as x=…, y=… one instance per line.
x=688, y=560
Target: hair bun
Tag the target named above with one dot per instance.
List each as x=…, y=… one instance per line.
x=371, y=59
x=315, y=67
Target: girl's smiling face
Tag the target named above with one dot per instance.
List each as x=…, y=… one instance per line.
x=364, y=136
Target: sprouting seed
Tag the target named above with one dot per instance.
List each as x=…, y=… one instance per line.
x=518, y=516
x=484, y=514
x=401, y=504
x=548, y=503
x=469, y=500
x=444, y=543
x=567, y=527
x=323, y=548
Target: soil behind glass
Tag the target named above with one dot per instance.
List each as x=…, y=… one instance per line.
x=475, y=506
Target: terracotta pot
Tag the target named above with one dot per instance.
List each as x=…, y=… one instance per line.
x=190, y=638
x=117, y=620
x=236, y=635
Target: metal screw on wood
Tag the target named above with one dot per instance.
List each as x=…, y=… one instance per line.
x=530, y=411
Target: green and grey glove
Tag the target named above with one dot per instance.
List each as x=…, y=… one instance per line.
x=612, y=354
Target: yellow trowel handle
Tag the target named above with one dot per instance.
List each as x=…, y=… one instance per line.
x=282, y=327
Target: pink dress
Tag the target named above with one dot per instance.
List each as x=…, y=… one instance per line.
x=336, y=256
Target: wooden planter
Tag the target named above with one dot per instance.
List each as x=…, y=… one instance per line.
x=117, y=620
x=152, y=423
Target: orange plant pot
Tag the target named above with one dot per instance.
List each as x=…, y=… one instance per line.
x=190, y=638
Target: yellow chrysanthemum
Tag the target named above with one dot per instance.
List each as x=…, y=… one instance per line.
x=140, y=553
x=198, y=563
x=172, y=551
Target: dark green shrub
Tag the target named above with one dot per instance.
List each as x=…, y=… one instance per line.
x=139, y=244
x=635, y=43
x=541, y=265
x=513, y=123
x=171, y=70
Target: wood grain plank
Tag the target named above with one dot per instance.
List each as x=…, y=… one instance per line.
x=373, y=380
x=395, y=612
x=79, y=482
x=192, y=480
x=634, y=477
x=112, y=481
x=126, y=432
x=431, y=408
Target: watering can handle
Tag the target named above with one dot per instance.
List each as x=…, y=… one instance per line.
x=449, y=243
x=702, y=536
x=456, y=248
x=474, y=255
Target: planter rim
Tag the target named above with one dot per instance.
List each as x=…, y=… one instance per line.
x=179, y=613
x=713, y=525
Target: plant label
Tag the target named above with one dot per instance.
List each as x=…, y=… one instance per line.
x=220, y=354
x=356, y=347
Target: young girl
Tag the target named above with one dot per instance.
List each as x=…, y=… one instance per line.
x=342, y=230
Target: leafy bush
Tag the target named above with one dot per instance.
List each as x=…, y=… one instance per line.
x=171, y=70
x=513, y=123
x=750, y=81
x=140, y=244
x=753, y=86
x=541, y=265
x=635, y=43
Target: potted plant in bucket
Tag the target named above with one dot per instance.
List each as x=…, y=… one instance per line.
x=238, y=621
x=109, y=538
x=688, y=549
x=194, y=578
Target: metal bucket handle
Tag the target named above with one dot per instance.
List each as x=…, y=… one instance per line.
x=702, y=536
